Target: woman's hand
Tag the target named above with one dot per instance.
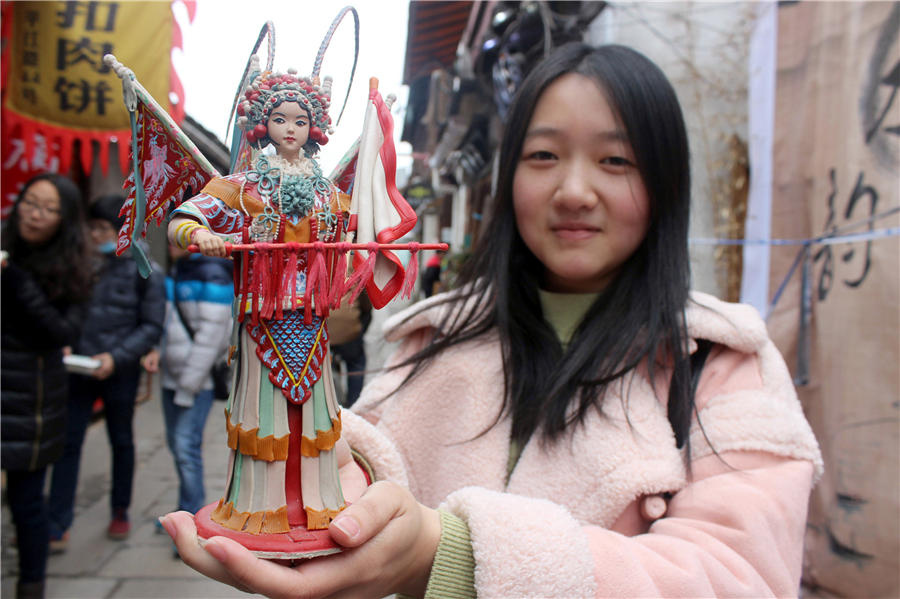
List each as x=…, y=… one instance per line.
x=150, y=361
x=209, y=244
x=389, y=539
x=106, y=368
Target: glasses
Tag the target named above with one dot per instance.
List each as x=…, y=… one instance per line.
x=42, y=210
x=100, y=226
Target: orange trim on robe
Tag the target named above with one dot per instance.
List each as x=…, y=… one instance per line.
x=247, y=442
x=264, y=521
x=319, y=520
x=325, y=440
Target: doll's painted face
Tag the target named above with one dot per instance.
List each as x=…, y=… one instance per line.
x=581, y=205
x=40, y=213
x=288, y=127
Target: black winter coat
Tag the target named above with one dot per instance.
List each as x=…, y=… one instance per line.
x=126, y=313
x=33, y=381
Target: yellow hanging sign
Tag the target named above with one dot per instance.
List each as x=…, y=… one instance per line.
x=56, y=75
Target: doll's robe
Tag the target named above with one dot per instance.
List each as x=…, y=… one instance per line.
x=282, y=415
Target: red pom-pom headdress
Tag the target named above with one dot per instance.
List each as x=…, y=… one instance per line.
x=269, y=90
x=255, y=99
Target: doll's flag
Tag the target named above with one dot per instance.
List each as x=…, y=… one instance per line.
x=378, y=212
x=166, y=165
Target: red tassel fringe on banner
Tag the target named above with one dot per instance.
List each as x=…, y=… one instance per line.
x=338, y=277
x=357, y=281
x=412, y=272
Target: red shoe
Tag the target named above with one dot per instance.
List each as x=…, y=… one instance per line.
x=119, y=527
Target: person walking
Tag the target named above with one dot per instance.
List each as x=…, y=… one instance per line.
x=123, y=322
x=46, y=279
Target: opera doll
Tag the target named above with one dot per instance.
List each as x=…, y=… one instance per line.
x=288, y=229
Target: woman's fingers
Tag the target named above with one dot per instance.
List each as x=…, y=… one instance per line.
x=368, y=515
x=251, y=574
x=389, y=541
x=181, y=527
x=353, y=479
x=389, y=533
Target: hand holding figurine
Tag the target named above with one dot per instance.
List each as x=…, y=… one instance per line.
x=389, y=542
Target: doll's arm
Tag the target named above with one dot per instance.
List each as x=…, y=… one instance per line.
x=184, y=231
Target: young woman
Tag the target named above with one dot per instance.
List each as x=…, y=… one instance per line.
x=45, y=278
x=554, y=407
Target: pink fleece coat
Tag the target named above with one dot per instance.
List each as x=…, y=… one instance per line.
x=586, y=517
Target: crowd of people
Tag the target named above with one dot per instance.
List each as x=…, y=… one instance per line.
x=67, y=298
x=569, y=420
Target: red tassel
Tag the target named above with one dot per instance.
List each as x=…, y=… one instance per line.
x=290, y=277
x=360, y=276
x=245, y=286
x=412, y=271
x=317, y=281
x=255, y=285
x=308, y=291
x=323, y=287
x=87, y=154
x=278, y=279
x=339, y=276
x=265, y=277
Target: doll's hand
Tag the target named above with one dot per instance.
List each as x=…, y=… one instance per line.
x=389, y=538
x=209, y=244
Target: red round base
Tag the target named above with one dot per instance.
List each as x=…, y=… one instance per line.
x=294, y=544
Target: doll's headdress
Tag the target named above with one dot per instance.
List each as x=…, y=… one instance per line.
x=262, y=90
x=269, y=90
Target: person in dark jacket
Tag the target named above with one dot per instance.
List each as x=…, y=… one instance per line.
x=124, y=321
x=45, y=280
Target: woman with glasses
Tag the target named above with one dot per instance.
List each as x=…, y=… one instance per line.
x=45, y=279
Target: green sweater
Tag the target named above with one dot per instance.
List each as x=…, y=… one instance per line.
x=453, y=569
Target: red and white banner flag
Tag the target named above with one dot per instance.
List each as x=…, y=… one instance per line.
x=378, y=212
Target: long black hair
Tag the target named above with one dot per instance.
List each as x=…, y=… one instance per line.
x=62, y=265
x=638, y=317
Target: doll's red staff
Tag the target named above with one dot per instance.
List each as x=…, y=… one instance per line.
x=337, y=245
x=273, y=279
